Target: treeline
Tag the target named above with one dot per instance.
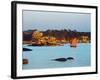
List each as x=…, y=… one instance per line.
x=59, y=34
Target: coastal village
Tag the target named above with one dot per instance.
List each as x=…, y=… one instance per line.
x=38, y=39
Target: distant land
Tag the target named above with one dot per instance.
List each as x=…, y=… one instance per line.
x=54, y=37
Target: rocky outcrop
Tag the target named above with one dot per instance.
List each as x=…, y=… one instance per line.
x=70, y=58
x=26, y=49
x=63, y=59
x=25, y=61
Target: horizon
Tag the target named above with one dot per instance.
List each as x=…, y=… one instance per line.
x=52, y=29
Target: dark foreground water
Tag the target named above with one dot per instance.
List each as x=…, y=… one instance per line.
x=41, y=57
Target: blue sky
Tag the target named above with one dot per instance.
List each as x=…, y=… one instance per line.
x=43, y=20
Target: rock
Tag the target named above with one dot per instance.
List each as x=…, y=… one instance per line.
x=73, y=46
x=26, y=49
x=25, y=61
x=63, y=59
x=70, y=58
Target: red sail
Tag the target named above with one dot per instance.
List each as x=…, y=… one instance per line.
x=74, y=42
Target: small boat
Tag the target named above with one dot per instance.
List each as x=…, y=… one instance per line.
x=74, y=42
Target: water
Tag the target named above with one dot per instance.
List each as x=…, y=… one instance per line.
x=41, y=57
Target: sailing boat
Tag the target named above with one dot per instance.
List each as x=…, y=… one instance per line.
x=73, y=42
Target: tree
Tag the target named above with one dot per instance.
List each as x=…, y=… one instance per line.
x=37, y=35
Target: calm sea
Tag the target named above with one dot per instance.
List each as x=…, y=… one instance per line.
x=41, y=57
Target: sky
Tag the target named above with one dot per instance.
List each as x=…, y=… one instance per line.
x=44, y=20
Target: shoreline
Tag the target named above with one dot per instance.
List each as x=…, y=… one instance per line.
x=54, y=45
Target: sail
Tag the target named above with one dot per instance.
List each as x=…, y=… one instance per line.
x=74, y=42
